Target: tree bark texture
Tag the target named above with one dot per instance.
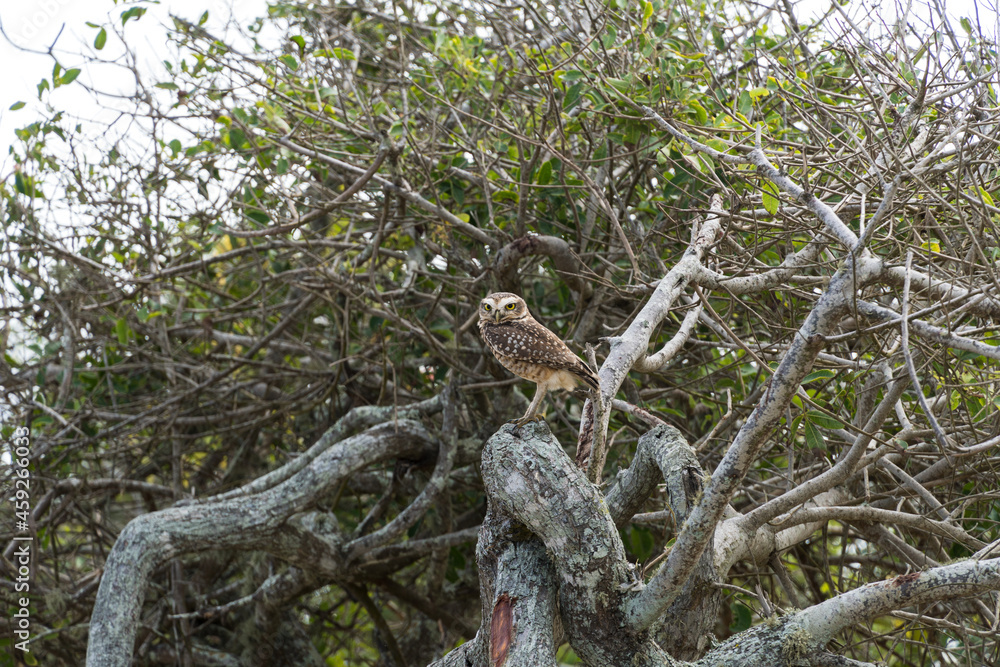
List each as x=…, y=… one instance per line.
x=549, y=535
x=259, y=521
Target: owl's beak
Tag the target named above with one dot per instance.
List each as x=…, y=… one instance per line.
x=496, y=315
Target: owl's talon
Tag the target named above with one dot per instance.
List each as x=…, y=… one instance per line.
x=523, y=421
x=526, y=420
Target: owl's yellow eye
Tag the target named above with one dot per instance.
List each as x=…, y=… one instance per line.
x=510, y=306
x=486, y=307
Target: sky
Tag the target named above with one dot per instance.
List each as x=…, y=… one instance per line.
x=61, y=25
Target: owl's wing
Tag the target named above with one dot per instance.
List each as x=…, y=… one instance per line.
x=533, y=343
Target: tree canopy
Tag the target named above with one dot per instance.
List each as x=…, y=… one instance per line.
x=241, y=329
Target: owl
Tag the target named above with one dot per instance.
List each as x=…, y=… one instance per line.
x=529, y=350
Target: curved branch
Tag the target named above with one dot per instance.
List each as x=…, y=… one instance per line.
x=799, y=637
x=559, y=251
x=632, y=345
x=964, y=579
x=412, y=513
x=734, y=542
x=928, y=331
x=769, y=279
x=654, y=362
x=254, y=522
x=359, y=417
x=976, y=301
x=700, y=527
x=661, y=454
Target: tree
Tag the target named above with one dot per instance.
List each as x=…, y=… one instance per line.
x=264, y=430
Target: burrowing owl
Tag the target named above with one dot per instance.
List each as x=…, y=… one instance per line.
x=529, y=350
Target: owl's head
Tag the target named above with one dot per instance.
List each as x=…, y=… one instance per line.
x=502, y=307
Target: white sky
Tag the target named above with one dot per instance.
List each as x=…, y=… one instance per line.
x=35, y=24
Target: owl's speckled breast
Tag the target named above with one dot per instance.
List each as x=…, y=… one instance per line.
x=525, y=369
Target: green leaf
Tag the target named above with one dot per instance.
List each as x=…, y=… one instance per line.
x=647, y=12
x=101, y=39
x=122, y=331
x=700, y=114
x=823, y=420
x=300, y=41
x=641, y=543
x=718, y=145
x=133, y=13
x=610, y=37
x=634, y=132
x=745, y=103
x=16, y=105
x=259, y=217
x=770, y=196
x=717, y=39
x=237, y=138
x=336, y=52
x=545, y=173
x=290, y=62
x=814, y=439
x=23, y=184
x=621, y=85
x=69, y=76
x=572, y=95
x=824, y=374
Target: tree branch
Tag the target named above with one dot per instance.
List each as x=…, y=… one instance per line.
x=254, y=522
x=632, y=345
x=783, y=386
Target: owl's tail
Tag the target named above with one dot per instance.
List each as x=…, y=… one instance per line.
x=588, y=376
